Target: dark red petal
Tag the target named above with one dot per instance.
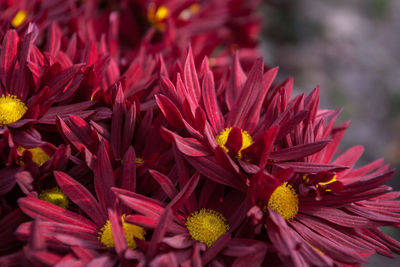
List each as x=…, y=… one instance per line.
x=128, y=179
x=119, y=110
x=8, y=59
x=165, y=183
x=188, y=146
x=234, y=142
x=104, y=179
x=80, y=196
x=170, y=111
x=190, y=76
x=159, y=232
x=185, y=193
x=209, y=168
x=298, y=152
x=139, y=203
x=213, y=251
x=212, y=109
x=309, y=167
x=240, y=115
x=49, y=212
x=117, y=232
x=237, y=79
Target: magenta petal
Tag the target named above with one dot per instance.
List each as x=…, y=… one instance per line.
x=188, y=146
x=129, y=127
x=159, y=232
x=256, y=258
x=331, y=248
x=47, y=258
x=164, y=260
x=165, y=183
x=80, y=196
x=309, y=167
x=212, y=109
x=144, y=221
x=119, y=109
x=8, y=59
x=338, y=217
x=190, y=76
x=298, y=152
x=185, y=193
x=104, y=179
x=170, y=111
x=181, y=241
x=234, y=142
x=117, y=232
x=139, y=203
x=213, y=251
x=129, y=170
x=240, y=115
x=36, y=241
x=237, y=79
x=58, y=83
x=49, y=212
x=209, y=168
x=64, y=111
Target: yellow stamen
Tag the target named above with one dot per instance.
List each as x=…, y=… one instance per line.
x=157, y=15
x=38, y=155
x=131, y=231
x=285, y=201
x=19, y=18
x=11, y=109
x=222, y=138
x=139, y=160
x=330, y=181
x=206, y=226
x=55, y=196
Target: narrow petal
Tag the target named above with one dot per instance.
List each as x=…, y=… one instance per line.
x=104, y=179
x=48, y=212
x=80, y=196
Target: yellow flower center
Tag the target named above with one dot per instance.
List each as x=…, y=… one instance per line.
x=157, y=15
x=131, y=231
x=222, y=138
x=38, y=155
x=285, y=201
x=55, y=196
x=19, y=18
x=206, y=226
x=11, y=109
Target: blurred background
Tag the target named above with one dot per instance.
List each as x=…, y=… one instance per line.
x=351, y=48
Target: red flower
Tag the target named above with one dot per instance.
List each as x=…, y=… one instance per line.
x=106, y=227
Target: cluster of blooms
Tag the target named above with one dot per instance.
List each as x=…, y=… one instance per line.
x=148, y=133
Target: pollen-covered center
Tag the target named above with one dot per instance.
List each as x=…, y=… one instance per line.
x=38, y=155
x=222, y=138
x=11, y=109
x=285, y=201
x=55, y=196
x=131, y=231
x=157, y=15
x=19, y=18
x=206, y=226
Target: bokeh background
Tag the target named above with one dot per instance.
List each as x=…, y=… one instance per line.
x=351, y=48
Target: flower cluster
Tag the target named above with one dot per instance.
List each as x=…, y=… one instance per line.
x=150, y=133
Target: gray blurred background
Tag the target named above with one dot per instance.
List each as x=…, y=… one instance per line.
x=351, y=48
